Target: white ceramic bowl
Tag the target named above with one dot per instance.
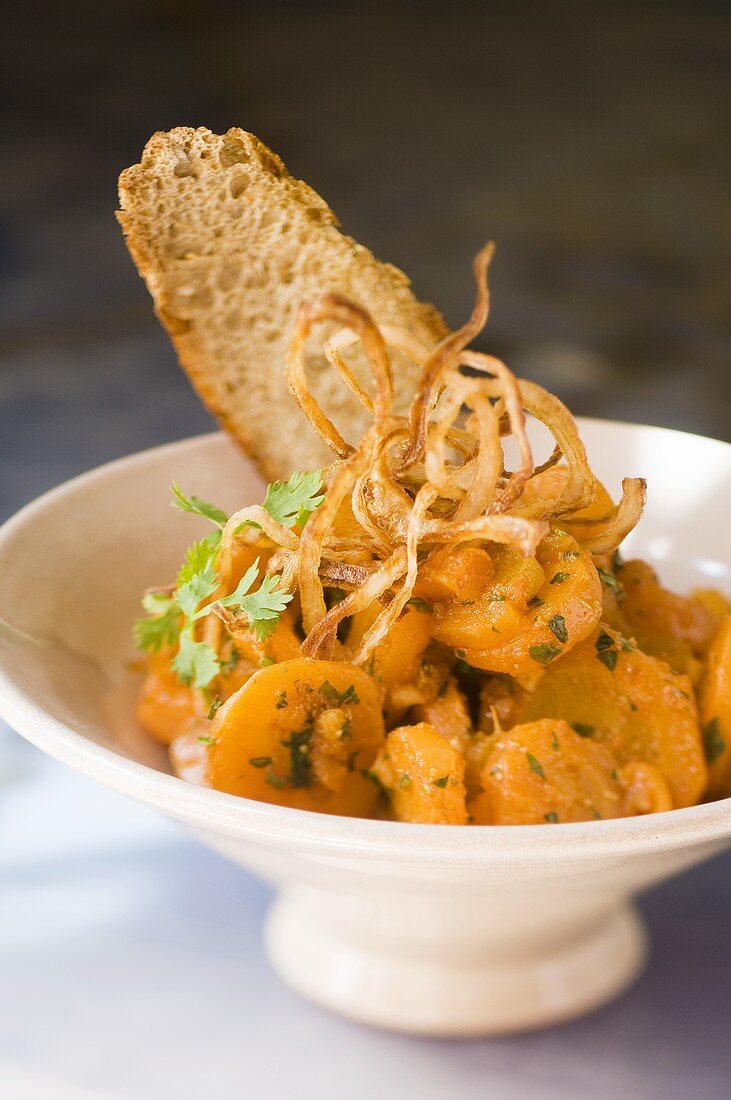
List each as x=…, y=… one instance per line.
x=433, y=929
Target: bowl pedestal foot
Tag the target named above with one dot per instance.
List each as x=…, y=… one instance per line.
x=432, y=966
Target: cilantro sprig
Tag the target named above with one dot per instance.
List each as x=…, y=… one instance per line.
x=175, y=617
x=197, y=507
x=172, y=617
x=293, y=502
x=263, y=607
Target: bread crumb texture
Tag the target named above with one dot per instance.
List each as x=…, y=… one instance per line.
x=230, y=245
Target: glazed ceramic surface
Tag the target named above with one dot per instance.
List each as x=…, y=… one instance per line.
x=441, y=930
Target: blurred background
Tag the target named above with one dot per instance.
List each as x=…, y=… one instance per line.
x=590, y=141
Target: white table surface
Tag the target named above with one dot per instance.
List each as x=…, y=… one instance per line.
x=131, y=969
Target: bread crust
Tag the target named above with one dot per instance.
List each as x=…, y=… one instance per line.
x=230, y=244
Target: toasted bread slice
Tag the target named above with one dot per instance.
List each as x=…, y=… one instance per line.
x=229, y=245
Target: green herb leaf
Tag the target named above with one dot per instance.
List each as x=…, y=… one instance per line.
x=215, y=706
x=336, y=698
x=281, y=700
x=191, y=594
x=260, y=761
x=405, y=781
x=536, y=601
x=582, y=730
x=551, y=818
x=205, y=740
x=157, y=603
x=559, y=578
x=420, y=605
x=199, y=557
x=375, y=780
x=293, y=502
x=262, y=607
x=606, y=651
x=713, y=741
x=558, y=625
x=300, y=765
x=442, y=782
x=609, y=579
x=231, y=663
x=195, y=662
x=197, y=507
x=152, y=634
x=543, y=654
x=534, y=765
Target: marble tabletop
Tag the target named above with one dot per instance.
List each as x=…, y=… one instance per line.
x=587, y=139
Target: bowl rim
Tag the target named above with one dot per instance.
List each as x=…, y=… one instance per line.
x=319, y=833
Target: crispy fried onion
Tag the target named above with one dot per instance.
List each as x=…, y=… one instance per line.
x=436, y=477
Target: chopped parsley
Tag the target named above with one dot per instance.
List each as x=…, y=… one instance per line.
x=558, y=626
x=281, y=700
x=231, y=663
x=442, y=781
x=260, y=761
x=420, y=605
x=405, y=781
x=300, y=765
x=347, y=698
x=605, y=651
x=609, y=579
x=536, y=601
x=559, y=578
x=582, y=729
x=551, y=817
x=206, y=740
x=713, y=741
x=543, y=654
x=535, y=765
x=215, y=706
